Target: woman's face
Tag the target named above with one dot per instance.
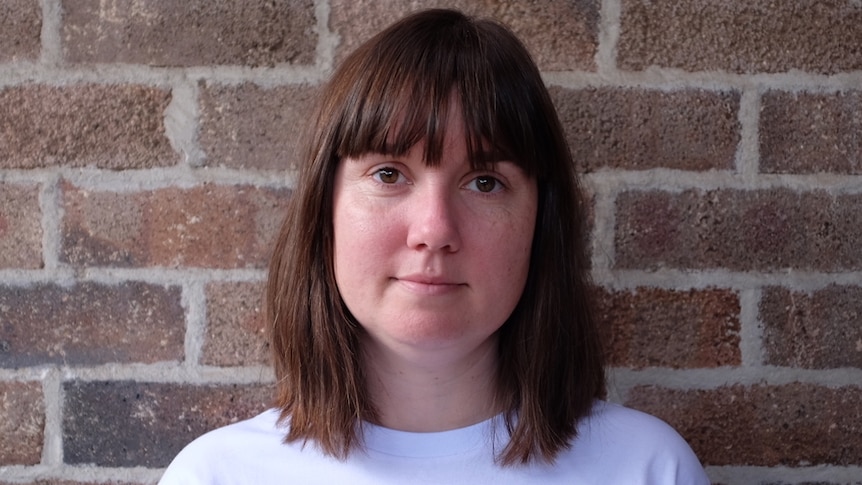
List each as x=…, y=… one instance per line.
x=432, y=258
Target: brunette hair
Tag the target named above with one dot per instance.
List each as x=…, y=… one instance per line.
x=391, y=93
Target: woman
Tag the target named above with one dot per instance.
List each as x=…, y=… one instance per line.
x=427, y=297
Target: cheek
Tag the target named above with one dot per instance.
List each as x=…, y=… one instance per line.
x=520, y=249
x=349, y=265
x=361, y=246
x=518, y=263
x=505, y=258
x=348, y=246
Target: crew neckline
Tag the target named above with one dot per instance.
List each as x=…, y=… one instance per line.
x=432, y=444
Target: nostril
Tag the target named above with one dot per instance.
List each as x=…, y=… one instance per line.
x=437, y=232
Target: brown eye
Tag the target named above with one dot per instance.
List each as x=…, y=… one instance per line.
x=387, y=175
x=485, y=184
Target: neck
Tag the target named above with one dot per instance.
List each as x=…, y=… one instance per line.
x=419, y=394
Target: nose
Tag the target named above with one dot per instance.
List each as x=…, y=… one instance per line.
x=434, y=221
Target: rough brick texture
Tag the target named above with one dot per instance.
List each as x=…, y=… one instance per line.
x=649, y=327
x=22, y=422
x=560, y=34
x=210, y=226
x=636, y=129
x=791, y=425
x=252, y=127
x=90, y=323
x=116, y=127
x=21, y=24
x=146, y=424
x=745, y=37
x=761, y=230
x=810, y=133
x=20, y=227
x=235, y=333
x=817, y=330
x=147, y=155
x=189, y=33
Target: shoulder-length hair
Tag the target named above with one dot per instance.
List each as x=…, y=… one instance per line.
x=391, y=93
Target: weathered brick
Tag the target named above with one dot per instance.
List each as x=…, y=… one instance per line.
x=561, y=35
x=652, y=327
x=21, y=24
x=207, y=226
x=760, y=230
x=811, y=132
x=248, y=126
x=792, y=425
x=743, y=37
x=817, y=330
x=20, y=227
x=125, y=424
x=235, y=333
x=107, y=126
x=635, y=129
x=188, y=33
x=22, y=423
x=90, y=323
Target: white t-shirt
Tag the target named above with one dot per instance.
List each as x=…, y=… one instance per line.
x=615, y=445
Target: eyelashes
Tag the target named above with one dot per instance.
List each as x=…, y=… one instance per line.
x=485, y=184
x=388, y=176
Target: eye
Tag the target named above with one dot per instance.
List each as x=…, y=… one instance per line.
x=485, y=184
x=387, y=175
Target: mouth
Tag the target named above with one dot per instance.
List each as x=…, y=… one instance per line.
x=425, y=285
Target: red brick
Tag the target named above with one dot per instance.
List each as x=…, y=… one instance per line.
x=811, y=132
x=742, y=37
x=817, y=330
x=208, y=226
x=107, y=126
x=561, y=35
x=191, y=32
x=636, y=129
x=235, y=334
x=760, y=230
x=791, y=425
x=90, y=323
x=126, y=424
x=22, y=422
x=20, y=227
x=248, y=126
x=21, y=24
x=652, y=327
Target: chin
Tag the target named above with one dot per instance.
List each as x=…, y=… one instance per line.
x=439, y=335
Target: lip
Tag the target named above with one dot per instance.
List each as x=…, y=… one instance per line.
x=428, y=285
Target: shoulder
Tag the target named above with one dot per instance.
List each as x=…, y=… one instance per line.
x=210, y=458
x=614, y=420
x=634, y=447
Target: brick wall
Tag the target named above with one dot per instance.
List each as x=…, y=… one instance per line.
x=145, y=149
